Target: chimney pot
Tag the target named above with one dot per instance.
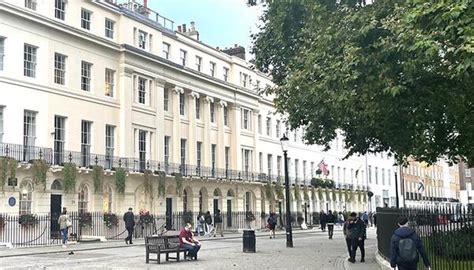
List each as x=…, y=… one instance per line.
x=179, y=28
x=193, y=26
x=184, y=28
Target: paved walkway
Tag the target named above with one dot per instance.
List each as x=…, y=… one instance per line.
x=312, y=251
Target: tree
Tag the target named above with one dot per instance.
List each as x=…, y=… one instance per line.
x=391, y=76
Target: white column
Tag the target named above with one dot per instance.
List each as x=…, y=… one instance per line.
x=221, y=135
x=192, y=127
x=126, y=90
x=235, y=150
x=256, y=160
x=206, y=145
x=159, y=121
x=176, y=138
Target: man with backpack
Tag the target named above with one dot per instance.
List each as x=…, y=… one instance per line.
x=405, y=246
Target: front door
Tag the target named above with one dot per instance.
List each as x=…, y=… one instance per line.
x=55, y=210
x=229, y=213
x=169, y=213
x=216, y=205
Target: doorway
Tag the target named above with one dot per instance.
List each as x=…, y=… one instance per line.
x=169, y=213
x=229, y=213
x=215, y=205
x=55, y=210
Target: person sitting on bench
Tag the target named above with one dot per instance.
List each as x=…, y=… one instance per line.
x=188, y=242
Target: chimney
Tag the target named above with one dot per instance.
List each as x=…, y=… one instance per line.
x=237, y=51
x=179, y=28
x=184, y=28
x=192, y=33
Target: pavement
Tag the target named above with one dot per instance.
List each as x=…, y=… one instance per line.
x=312, y=250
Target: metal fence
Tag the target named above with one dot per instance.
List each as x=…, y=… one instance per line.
x=39, y=229
x=447, y=233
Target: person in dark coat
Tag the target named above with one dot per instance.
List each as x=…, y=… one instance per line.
x=209, y=227
x=330, y=219
x=322, y=220
x=129, y=219
x=405, y=232
x=355, y=232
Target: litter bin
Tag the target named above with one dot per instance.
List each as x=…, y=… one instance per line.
x=249, y=241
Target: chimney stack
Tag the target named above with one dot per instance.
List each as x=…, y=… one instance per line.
x=179, y=28
x=237, y=51
x=192, y=33
x=184, y=28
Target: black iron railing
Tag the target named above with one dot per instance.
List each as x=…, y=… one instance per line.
x=447, y=233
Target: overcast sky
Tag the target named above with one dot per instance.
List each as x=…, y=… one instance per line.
x=221, y=23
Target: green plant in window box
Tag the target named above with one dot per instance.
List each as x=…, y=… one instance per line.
x=85, y=220
x=28, y=220
x=110, y=220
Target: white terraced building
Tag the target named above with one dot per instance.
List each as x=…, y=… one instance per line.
x=98, y=83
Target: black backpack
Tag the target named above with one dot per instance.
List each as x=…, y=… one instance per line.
x=407, y=251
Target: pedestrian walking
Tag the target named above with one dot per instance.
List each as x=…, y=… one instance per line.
x=331, y=219
x=200, y=224
x=129, y=219
x=188, y=242
x=365, y=218
x=208, y=220
x=218, y=223
x=322, y=220
x=65, y=223
x=405, y=246
x=271, y=224
x=355, y=233
x=341, y=219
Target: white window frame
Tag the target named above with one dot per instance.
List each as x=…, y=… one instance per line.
x=182, y=104
x=2, y=52
x=109, y=144
x=225, y=73
x=278, y=131
x=142, y=39
x=226, y=116
x=1, y=123
x=86, y=76
x=247, y=119
x=183, y=56
x=212, y=68
x=259, y=124
x=269, y=126
x=212, y=112
x=198, y=63
x=60, y=9
x=166, y=99
x=86, y=18
x=142, y=91
x=29, y=60
x=109, y=28
x=109, y=82
x=166, y=150
x=60, y=68
x=31, y=4
x=166, y=50
x=198, y=108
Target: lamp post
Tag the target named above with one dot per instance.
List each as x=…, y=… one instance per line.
x=289, y=234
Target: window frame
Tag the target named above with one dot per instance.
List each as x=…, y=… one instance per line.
x=86, y=76
x=166, y=53
x=86, y=19
x=109, y=82
x=30, y=4
x=109, y=28
x=60, y=68
x=198, y=63
x=60, y=9
x=212, y=68
x=30, y=53
x=183, y=56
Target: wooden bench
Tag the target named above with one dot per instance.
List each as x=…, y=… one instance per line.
x=163, y=244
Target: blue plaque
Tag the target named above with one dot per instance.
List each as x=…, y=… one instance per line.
x=12, y=201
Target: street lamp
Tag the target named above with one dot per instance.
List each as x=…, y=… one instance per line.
x=289, y=234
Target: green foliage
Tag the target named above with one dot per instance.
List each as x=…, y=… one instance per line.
x=69, y=172
x=323, y=183
x=297, y=192
x=40, y=169
x=453, y=244
x=334, y=195
x=145, y=217
x=147, y=185
x=373, y=71
x=279, y=190
x=269, y=191
x=3, y=171
x=110, y=220
x=313, y=193
x=305, y=193
x=28, y=220
x=179, y=183
x=120, y=175
x=161, y=184
x=12, y=166
x=98, y=178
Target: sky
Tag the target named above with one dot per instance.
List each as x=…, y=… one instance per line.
x=221, y=23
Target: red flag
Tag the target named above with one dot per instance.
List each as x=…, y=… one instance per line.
x=323, y=167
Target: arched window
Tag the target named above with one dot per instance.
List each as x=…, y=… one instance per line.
x=56, y=185
x=107, y=200
x=83, y=199
x=216, y=193
x=26, y=197
x=185, y=201
x=229, y=193
x=200, y=202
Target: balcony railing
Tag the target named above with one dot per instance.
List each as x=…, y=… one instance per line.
x=86, y=159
